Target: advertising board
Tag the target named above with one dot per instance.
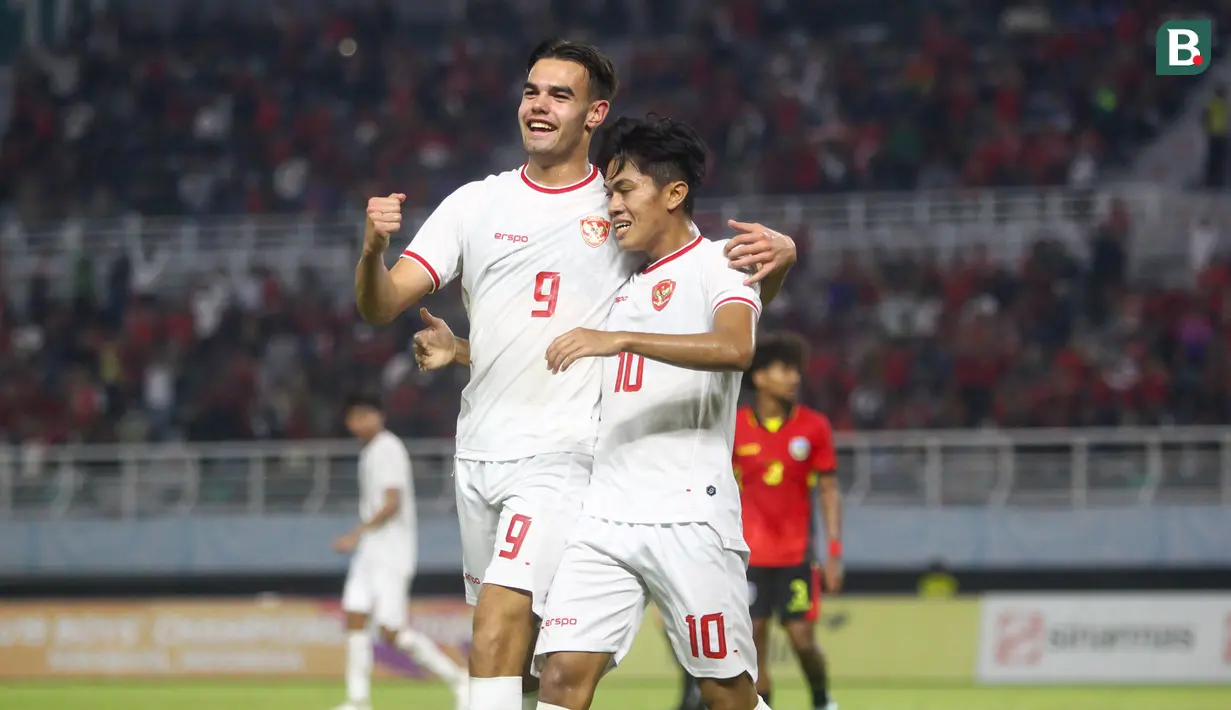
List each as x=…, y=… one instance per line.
x=1106, y=638
x=231, y=638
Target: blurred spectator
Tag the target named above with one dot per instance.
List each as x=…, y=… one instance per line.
x=900, y=340
x=1216, y=138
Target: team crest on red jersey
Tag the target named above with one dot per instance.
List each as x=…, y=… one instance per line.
x=594, y=230
x=660, y=296
x=799, y=447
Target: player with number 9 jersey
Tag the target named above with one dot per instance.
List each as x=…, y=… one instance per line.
x=537, y=262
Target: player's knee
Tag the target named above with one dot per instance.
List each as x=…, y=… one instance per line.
x=503, y=629
x=568, y=679
x=738, y=693
x=803, y=639
x=356, y=621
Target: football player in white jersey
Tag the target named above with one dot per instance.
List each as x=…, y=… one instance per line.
x=661, y=517
x=383, y=561
x=533, y=252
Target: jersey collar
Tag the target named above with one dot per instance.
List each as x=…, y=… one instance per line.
x=673, y=255
x=559, y=190
x=756, y=422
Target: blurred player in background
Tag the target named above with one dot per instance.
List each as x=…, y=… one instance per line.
x=784, y=453
x=383, y=564
x=661, y=517
x=533, y=252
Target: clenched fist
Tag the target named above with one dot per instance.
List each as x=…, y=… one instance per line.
x=384, y=218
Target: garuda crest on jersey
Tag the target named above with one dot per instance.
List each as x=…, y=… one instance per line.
x=594, y=230
x=660, y=296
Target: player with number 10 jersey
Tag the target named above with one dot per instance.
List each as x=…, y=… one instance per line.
x=662, y=515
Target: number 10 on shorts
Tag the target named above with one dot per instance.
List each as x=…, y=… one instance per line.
x=707, y=636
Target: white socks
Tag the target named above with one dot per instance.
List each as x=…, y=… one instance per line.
x=547, y=706
x=496, y=693
x=358, y=667
x=427, y=654
x=530, y=701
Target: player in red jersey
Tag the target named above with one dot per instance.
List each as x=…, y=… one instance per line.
x=783, y=454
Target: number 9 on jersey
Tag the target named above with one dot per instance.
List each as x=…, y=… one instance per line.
x=546, y=291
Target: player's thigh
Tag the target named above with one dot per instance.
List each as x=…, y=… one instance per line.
x=477, y=518
x=798, y=592
x=761, y=595
x=700, y=587
x=359, y=593
x=537, y=517
x=596, y=602
x=391, y=598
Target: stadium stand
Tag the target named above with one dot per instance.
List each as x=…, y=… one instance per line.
x=174, y=108
x=901, y=340
x=1061, y=319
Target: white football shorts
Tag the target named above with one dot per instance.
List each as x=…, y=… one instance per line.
x=516, y=517
x=378, y=589
x=611, y=570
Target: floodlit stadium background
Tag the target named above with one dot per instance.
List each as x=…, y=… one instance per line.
x=1015, y=274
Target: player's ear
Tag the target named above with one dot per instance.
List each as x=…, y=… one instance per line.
x=598, y=114
x=677, y=192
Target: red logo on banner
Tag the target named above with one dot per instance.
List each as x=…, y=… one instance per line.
x=1020, y=638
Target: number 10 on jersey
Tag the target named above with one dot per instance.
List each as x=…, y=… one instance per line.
x=629, y=372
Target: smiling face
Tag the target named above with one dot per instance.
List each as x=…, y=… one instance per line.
x=557, y=115
x=641, y=210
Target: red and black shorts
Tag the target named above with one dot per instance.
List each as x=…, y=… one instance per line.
x=788, y=592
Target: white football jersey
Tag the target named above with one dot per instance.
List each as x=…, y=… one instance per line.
x=666, y=433
x=384, y=464
x=535, y=263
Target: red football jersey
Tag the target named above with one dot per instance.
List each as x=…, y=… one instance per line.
x=777, y=472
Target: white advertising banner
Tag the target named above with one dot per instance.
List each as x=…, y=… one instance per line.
x=1105, y=638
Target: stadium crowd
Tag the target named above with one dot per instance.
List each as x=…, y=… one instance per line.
x=900, y=340
x=209, y=112
x=278, y=109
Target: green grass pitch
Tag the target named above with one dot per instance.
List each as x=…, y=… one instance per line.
x=614, y=695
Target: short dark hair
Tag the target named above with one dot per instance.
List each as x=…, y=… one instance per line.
x=601, y=71
x=785, y=348
x=367, y=401
x=664, y=149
